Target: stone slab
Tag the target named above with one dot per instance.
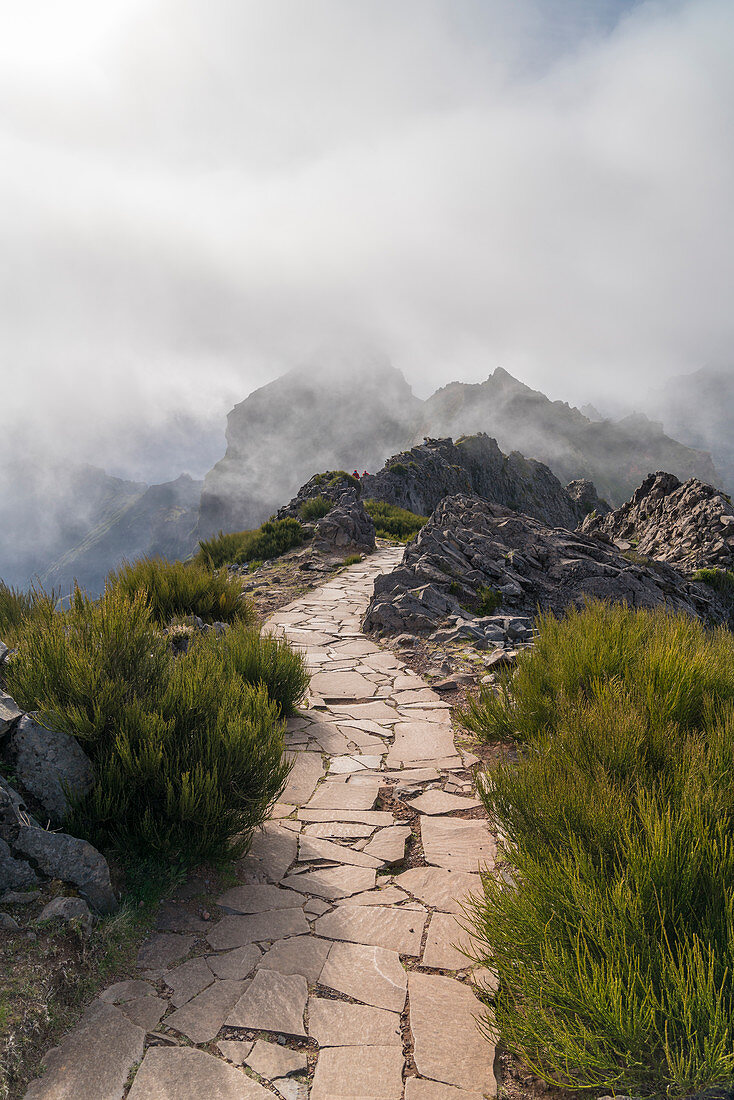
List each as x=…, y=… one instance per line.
x=94, y=1059
x=439, y=887
x=271, y=854
x=187, y=980
x=201, y=1018
x=388, y=845
x=181, y=1073
x=457, y=843
x=366, y=817
x=235, y=965
x=344, y=794
x=163, y=949
x=303, y=955
x=271, y=1060
x=307, y=770
x=398, y=930
x=237, y=931
x=446, y=935
x=340, y=830
x=359, y=1072
x=146, y=1012
x=420, y=741
x=342, y=685
x=235, y=1050
x=448, y=1045
x=372, y=975
x=332, y=882
x=272, y=1002
x=311, y=849
x=340, y=1024
x=439, y=802
x=418, y=1088
x=259, y=898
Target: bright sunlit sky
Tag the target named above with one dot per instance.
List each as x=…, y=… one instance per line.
x=196, y=196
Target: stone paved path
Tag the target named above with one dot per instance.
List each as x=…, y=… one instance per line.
x=326, y=956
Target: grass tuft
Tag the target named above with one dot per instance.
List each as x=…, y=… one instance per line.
x=242, y=547
x=174, y=588
x=315, y=508
x=392, y=522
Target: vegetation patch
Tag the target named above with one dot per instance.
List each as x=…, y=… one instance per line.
x=721, y=580
x=614, y=942
x=398, y=468
x=241, y=547
x=352, y=559
x=315, y=508
x=175, y=588
x=489, y=599
x=392, y=522
x=17, y=606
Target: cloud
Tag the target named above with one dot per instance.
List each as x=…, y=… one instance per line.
x=196, y=195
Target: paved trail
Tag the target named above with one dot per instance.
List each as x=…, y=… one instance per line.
x=322, y=954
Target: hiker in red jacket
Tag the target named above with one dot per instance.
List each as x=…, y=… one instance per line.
x=356, y=474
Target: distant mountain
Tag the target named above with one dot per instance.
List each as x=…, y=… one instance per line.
x=159, y=521
x=616, y=456
x=46, y=509
x=698, y=409
x=311, y=419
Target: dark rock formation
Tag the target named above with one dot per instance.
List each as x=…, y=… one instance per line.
x=471, y=549
x=584, y=496
x=346, y=527
x=58, y=855
x=49, y=766
x=689, y=525
x=335, y=416
x=331, y=485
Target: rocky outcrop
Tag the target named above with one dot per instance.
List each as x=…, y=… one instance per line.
x=345, y=527
x=473, y=553
x=64, y=857
x=586, y=499
x=331, y=485
x=50, y=766
x=689, y=525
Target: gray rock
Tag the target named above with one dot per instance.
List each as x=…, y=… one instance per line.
x=15, y=874
x=67, y=910
x=348, y=526
x=10, y=712
x=16, y=897
x=70, y=859
x=530, y=564
x=8, y=923
x=4, y=651
x=49, y=765
x=585, y=498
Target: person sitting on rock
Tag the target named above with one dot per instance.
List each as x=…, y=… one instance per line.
x=365, y=474
x=356, y=474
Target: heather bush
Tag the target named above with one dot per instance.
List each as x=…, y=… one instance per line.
x=241, y=547
x=174, y=588
x=16, y=606
x=612, y=927
x=392, y=522
x=262, y=659
x=315, y=508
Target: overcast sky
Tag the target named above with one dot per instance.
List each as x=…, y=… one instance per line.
x=196, y=195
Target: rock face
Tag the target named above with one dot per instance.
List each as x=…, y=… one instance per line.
x=584, y=495
x=70, y=859
x=470, y=547
x=688, y=525
x=331, y=415
x=331, y=485
x=49, y=764
x=346, y=526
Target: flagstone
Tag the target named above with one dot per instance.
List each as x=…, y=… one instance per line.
x=458, y=843
x=420, y=741
x=379, y=926
x=259, y=898
x=187, y=980
x=388, y=844
x=439, y=887
x=304, y=955
x=448, y=1045
x=272, y=1060
x=333, y=882
x=312, y=848
x=372, y=975
x=271, y=854
x=272, y=1002
x=374, y=710
x=338, y=1024
x=315, y=907
x=236, y=964
x=236, y=931
x=381, y=895
x=235, y=1050
x=366, y=817
x=146, y=1012
x=336, y=794
x=94, y=1059
x=342, y=685
x=446, y=935
x=308, y=767
x=180, y=1073
x=201, y=1019
x=344, y=830
x=419, y=1088
x=126, y=991
x=439, y=802
x=162, y=949
x=359, y=1072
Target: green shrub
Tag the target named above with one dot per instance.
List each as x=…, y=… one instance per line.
x=263, y=659
x=398, y=468
x=17, y=606
x=615, y=944
x=721, y=580
x=241, y=547
x=182, y=588
x=188, y=756
x=352, y=559
x=315, y=508
x=392, y=522
x=489, y=600
x=337, y=476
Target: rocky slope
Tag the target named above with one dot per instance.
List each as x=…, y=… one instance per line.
x=310, y=419
x=471, y=549
x=689, y=525
x=614, y=455
x=421, y=477
x=160, y=521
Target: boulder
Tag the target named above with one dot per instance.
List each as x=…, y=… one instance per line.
x=476, y=546
x=15, y=874
x=50, y=766
x=346, y=527
x=586, y=499
x=689, y=525
x=67, y=910
x=70, y=859
x=10, y=712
